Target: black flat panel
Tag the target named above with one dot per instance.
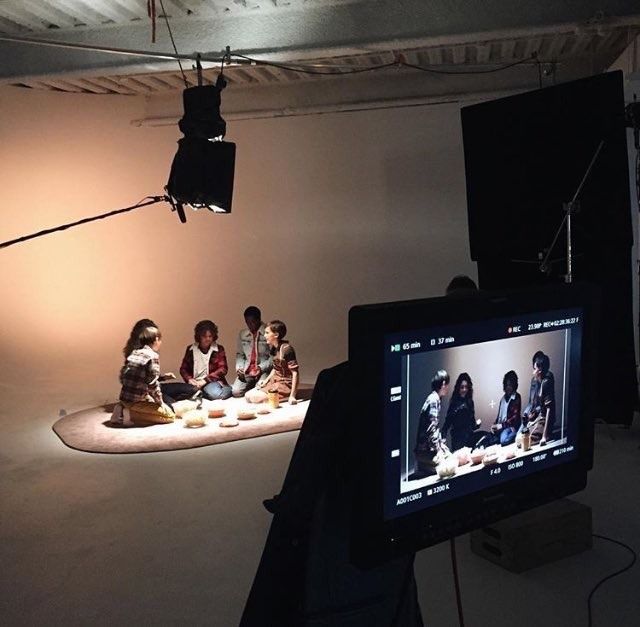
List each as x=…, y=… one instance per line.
x=526, y=155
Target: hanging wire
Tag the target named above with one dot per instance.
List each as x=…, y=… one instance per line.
x=173, y=43
x=399, y=62
x=302, y=69
x=454, y=72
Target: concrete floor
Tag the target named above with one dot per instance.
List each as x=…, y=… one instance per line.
x=175, y=538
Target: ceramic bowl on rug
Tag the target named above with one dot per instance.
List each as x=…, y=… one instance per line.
x=245, y=413
x=215, y=409
x=490, y=458
x=180, y=408
x=447, y=467
x=195, y=418
x=463, y=456
x=255, y=396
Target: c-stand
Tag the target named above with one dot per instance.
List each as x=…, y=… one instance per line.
x=570, y=208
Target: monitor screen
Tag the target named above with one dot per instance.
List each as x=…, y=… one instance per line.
x=485, y=424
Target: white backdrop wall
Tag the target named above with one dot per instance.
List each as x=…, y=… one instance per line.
x=329, y=211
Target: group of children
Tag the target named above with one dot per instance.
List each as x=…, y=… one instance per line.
x=264, y=360
x=537, y=418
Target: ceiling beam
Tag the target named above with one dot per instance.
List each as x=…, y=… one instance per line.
x=322, y=30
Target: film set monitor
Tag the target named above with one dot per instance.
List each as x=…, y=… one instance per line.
x=509, y=431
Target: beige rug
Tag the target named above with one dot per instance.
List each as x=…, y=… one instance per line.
x=89, y=430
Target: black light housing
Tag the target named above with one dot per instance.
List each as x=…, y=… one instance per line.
x=202, y=171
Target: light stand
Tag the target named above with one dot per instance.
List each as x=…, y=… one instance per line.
x=570, y=208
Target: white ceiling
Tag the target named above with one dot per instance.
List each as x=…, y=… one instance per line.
x=571, y=39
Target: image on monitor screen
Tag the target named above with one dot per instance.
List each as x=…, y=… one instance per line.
x=469, y=406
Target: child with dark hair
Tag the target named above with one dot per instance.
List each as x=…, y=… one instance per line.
x=134, y=337
x=172, y=389
x=204, y=365
x=505, y=428
x=283, y=377
x=461, y=414
x=429, y=441
x=140, y=379
x=253, y=359
x=542, y=419
x=531, y=411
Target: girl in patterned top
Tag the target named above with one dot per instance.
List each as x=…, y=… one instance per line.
x=140, y=378
x=283, y=377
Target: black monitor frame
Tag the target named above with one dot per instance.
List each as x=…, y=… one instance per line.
x=374, y=539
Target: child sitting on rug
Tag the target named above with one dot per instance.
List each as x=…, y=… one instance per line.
x=204, y=365
x=140, y=379
x=172, y=389
x=283, y=377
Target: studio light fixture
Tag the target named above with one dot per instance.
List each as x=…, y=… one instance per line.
x=202, y=171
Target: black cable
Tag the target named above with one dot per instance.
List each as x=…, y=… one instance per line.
x=451, y=72
x=398, y=63
x=150, y=200
x=456, y=581
x=166, y=19
x=612, y=575
x=306, y=70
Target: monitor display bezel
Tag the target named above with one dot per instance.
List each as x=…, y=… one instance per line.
x=375, y=539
